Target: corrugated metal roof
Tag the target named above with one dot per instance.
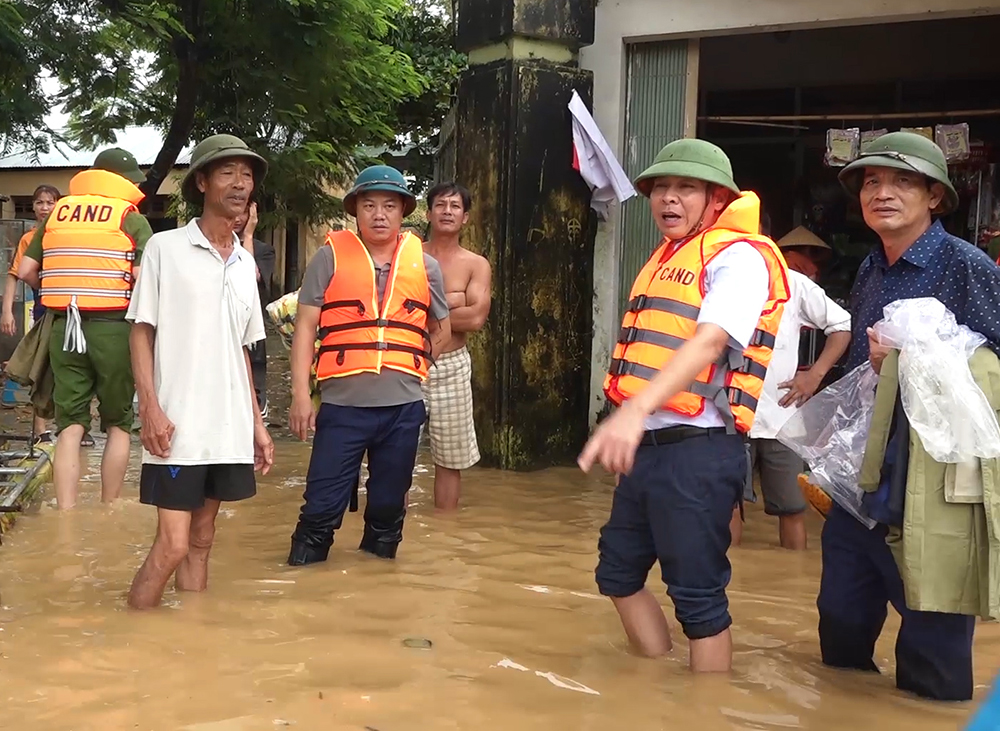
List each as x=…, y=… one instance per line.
x=143, y=142
x=654, y=115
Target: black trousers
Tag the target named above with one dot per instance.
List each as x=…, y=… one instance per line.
x=258, y=368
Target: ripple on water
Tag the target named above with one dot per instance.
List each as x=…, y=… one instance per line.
x=502, y=592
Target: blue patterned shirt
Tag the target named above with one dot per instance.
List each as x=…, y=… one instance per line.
x=939, y=265
x=956, y=273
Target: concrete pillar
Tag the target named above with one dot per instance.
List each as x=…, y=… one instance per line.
x=531, y=218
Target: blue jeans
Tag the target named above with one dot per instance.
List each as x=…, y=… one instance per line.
x=389, y=435
x=860, y=577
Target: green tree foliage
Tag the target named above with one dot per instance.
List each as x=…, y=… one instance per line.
x=22, y=102
x=424, y=33
x=305, y=82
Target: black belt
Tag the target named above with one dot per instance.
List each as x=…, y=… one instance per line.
x=674, y=434
x=93, y=315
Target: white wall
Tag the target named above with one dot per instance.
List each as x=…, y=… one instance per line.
x=622, y=21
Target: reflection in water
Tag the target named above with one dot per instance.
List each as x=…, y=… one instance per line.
x=489, y=619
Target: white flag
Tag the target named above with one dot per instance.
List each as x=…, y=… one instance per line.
x=598, y=166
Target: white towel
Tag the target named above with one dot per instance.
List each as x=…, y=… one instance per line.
x=596, y=162
x=73, y=340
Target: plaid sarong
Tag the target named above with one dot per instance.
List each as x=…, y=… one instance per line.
x=448, y=397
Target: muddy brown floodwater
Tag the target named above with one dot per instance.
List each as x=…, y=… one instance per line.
x=503, y=591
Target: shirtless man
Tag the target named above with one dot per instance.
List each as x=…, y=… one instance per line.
x=448, y=388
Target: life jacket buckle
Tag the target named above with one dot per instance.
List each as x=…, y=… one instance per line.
x=409, y=306
x=381, y=322
x=340, y=357
x=361, y=308
x=760, y=337
x=380, y=345
x=620, y=368
x=627, y=336
x=638, y=303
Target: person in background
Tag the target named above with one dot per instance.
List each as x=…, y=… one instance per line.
x=686, y=375
x=42, y=202
x=448, y=388
x=376, y=301
x=786, y=388
x=85, y=259
x=805, y=252
x=901, y=182
x=264, y=256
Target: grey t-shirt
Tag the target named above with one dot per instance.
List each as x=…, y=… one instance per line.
x=388, y=388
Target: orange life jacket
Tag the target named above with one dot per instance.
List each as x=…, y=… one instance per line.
x=355, y=335
x=663, y=312
x=86, y=257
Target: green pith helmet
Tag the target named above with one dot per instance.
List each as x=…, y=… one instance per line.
x=902, y=151
x=120, y=162
x=689, y=158
x=218, y=147
x=384, y=178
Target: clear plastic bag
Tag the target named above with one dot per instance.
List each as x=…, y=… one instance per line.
x=945, y=406
x=830, y=432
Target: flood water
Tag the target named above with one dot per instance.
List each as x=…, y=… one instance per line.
x=503, y=591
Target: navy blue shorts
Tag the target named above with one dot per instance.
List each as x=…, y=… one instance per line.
x=675, y=507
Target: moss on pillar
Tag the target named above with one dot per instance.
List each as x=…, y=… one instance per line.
x=531, y=219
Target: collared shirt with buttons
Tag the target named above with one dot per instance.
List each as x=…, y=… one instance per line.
x=205, y=311
x=956, y=273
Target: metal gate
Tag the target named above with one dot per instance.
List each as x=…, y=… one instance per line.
x=11, y=231
x=654, y=115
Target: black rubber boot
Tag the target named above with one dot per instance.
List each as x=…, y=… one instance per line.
x=373, y=544
x=311, y=541
x=383, y=532
x=303, y=554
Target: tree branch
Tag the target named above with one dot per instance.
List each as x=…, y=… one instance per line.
x=182, y=119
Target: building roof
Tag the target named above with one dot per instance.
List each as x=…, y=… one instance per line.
x=143, y=142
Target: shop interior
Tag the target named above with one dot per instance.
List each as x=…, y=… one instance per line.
x=789, y=107
x=771, y=100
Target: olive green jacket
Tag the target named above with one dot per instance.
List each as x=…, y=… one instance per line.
x=948, y=550
x=29, y=366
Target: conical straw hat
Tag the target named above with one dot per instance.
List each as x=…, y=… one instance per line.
x=802, y=236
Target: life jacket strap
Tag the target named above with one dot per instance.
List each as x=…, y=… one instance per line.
x=663, y=304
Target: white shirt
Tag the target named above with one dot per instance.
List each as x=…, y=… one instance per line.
x=807, y=306
x=736, y=289
x=204, y=311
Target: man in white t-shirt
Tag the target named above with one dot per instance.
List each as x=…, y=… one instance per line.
x=195, y=311
x=785, y=389
x=686, y=374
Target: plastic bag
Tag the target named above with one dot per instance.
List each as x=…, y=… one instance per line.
x=953, y=139
x=945, y=406
x=282, y=313
x=927, y=132
x=871, y=135
x=842, y=146
x=830, y=432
